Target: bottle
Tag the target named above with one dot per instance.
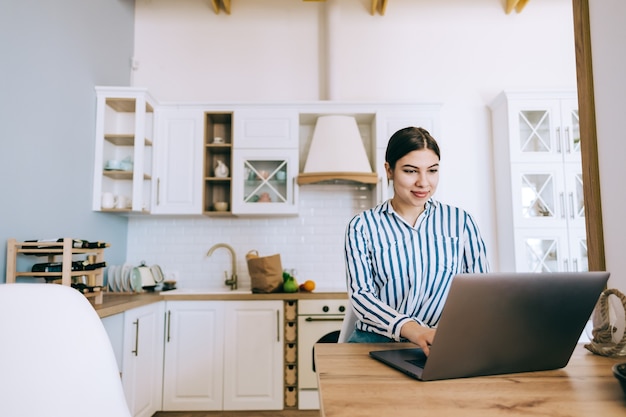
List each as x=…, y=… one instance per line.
x=76, y=243
x=76, y=266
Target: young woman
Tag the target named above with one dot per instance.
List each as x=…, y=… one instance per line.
x=401, y=255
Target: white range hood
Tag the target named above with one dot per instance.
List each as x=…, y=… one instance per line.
x=337, y=153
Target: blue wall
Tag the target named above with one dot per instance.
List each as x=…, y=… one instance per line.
x=52, y=54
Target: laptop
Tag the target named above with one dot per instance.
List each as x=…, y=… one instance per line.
x=500, y=323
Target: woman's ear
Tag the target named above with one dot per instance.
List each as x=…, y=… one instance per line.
x=389, y=171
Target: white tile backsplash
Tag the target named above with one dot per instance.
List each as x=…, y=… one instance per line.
x=311, y=243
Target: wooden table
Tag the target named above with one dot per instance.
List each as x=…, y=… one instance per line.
x=353, y=384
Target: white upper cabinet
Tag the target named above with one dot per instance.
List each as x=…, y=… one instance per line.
x=265, y=161
x=264, y=181
x=264, y=128
x=177, y=178
x=224, y=160
x=540, y=213
x=544, y=130
x=123, y=154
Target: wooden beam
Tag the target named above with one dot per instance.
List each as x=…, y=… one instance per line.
x=219, y=5
x=517, y=5
x=378, y=6
x=216, y=6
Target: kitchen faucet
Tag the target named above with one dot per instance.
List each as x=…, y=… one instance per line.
x=233, y=278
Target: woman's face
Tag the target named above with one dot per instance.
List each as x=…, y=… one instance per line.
x=415, y=177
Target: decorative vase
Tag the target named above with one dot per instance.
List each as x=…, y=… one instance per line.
x=221, y=170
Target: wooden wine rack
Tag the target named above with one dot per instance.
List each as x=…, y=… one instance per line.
x=56, y=252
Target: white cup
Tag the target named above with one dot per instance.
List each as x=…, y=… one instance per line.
x=122, y=202
x=108, y=200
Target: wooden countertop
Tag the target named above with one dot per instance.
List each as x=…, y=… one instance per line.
x=353, y=384
x=114, y=303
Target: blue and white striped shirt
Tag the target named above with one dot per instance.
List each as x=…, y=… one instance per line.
x=397, y=272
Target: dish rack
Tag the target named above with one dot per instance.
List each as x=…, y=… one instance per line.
x=63, y=251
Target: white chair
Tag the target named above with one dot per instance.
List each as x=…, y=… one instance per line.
x=56, y=359
x=347, y=327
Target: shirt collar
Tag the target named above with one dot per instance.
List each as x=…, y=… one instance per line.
x=389, y=208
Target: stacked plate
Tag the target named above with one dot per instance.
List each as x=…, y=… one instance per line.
x=129, y=279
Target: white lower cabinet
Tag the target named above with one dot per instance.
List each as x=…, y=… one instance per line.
x=253, y=355
x=223, y=355
x=193, y=365
x=142, y=359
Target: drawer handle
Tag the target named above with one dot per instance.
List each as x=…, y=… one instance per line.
x=310, y=319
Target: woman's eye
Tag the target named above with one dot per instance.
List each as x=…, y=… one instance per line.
x=409, y=171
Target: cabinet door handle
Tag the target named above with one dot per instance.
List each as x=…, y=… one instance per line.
x=568, y=142
x=169, y=320
x=566, y=265
x=562, y=198
x=136, y=351
x=277, y=325
x=575, y=262
x=158, y=192
x=558, y=140
x=572, y=214
x=294, y=192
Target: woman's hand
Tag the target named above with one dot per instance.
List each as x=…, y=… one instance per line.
x=418, y=334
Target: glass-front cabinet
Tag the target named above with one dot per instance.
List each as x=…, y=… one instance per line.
x=551, y=250
x=545, y=131
x=264, y=181
x=541, y=212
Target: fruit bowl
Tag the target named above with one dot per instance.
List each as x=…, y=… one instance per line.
x=619, y=370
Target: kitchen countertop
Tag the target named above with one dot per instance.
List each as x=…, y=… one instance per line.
x=114, y=303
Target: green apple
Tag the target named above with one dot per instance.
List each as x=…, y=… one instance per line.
x=290, y=285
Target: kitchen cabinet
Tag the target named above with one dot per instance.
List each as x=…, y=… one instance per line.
x=193, y=358
x=177, y=178
x=218, y=151
x=540, y=208
x=265, y=162
x=263, y=128
x=253, y=355
x=223, y=355
x=264, y=181
x=142, y=359
x=123, y=149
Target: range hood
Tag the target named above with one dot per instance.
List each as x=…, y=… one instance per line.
x=337, y=153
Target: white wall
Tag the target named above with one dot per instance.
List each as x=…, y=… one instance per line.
x=608, y=32
x=455, y=52
x=51, y=56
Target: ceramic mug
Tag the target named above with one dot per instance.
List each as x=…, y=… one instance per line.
x=108, y=200
x=122, y=202
x=113, y=164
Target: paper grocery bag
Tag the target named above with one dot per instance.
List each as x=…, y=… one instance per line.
x=266, y=274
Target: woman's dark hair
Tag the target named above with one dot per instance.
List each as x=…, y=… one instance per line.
x=408, y=140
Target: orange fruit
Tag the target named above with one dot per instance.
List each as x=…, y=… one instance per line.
x=308, y=285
